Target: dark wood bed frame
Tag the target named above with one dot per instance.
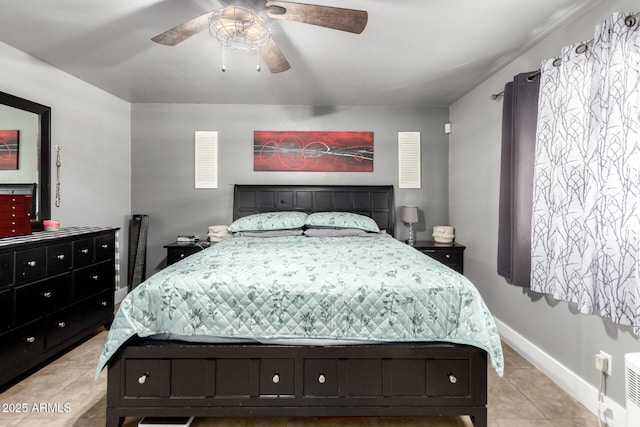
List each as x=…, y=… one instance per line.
x=178, y=379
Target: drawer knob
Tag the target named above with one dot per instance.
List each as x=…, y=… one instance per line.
x=452, y=378
x=60, y=257
x=31, y=263
x=47, y=294
x=84, y=251
x=30, y=340
x=447, y=256
x=104, y=246
x=103, y=303
x=61, y=324
x=322, y=379
x=181, y=255
x=143, y=378
x=276, y=378
x=95, y=277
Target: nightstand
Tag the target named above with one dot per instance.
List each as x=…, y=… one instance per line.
x=450, y=254
x=177, y=251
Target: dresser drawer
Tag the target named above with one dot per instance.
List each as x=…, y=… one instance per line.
x=105, y=247
x=30, y=265
x=6, y=309
x=6, y=268
x=65, y=324
x=93, y=279
x=21, y=344
x=34, y=299
x=83, y=251
x=59, y=258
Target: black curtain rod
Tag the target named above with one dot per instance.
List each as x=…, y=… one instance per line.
x=629, y=21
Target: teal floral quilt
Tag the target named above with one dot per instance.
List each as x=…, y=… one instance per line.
x=331, y=288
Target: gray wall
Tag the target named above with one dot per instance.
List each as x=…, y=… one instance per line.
x=163, y=161
x=94, y=130
x=571, y=339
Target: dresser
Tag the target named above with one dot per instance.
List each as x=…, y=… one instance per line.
x=15, y=219
x=56, y=288
x=449, y=254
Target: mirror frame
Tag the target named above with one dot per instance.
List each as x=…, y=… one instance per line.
x=44, y=175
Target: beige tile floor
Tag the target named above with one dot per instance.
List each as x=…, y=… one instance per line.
x=523, y=397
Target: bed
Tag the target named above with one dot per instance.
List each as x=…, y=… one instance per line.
x=360, y=341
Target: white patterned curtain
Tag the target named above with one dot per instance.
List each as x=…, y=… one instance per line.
x=586, y=201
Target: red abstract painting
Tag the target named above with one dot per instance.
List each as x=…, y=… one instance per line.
x=9, y=140
x=313, y=151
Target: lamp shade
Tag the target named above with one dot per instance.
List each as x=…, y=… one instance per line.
x=409, y=214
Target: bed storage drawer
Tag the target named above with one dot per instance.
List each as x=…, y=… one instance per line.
x=320, y=377
x=258, y=376
x=146, y=378
x=448, y=378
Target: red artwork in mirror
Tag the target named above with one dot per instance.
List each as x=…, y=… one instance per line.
x=313, y=151
x=9, y=149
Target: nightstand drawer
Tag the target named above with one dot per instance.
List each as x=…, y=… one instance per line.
x=447, y=257
x=449, y=254
x=178, y=251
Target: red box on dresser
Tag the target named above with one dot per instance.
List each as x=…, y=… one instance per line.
x=15, y=219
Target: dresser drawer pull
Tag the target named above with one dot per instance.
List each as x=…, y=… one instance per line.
x=452, y=378
x=322, y=379
x=31, y=263
x=47, y=294
x=447, y=256
x=276, y=378
x=60, y=257
x=104, y=246
x=30, y=340
x=103, y=303
x=95, y=277
x=143, y=378
x=182, y=255
x=61, y=324
x=84, y=251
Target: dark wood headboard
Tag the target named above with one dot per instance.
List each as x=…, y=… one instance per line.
x=375, y=201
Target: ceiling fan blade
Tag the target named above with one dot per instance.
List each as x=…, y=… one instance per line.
x=183, y=31
x=274, y=58
x=351, y=20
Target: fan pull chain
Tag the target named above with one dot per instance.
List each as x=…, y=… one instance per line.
x=223, y=68
x=258, y=69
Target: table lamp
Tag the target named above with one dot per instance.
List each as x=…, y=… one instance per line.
x=409, y=215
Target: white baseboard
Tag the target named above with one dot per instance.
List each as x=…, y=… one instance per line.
x=568, y=380
x=119, y=295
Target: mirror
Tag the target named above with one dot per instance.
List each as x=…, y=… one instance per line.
x=33, y=121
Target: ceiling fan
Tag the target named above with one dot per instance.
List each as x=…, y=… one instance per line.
x=244, y=19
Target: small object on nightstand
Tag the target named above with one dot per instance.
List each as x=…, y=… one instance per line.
x=443, y=233
x=449, y=254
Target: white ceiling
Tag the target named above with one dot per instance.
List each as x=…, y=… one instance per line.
x=412, y=52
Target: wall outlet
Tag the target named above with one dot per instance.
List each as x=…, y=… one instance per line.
x=603, y=362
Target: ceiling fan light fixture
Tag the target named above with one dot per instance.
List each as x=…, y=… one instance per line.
x=239, y=28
